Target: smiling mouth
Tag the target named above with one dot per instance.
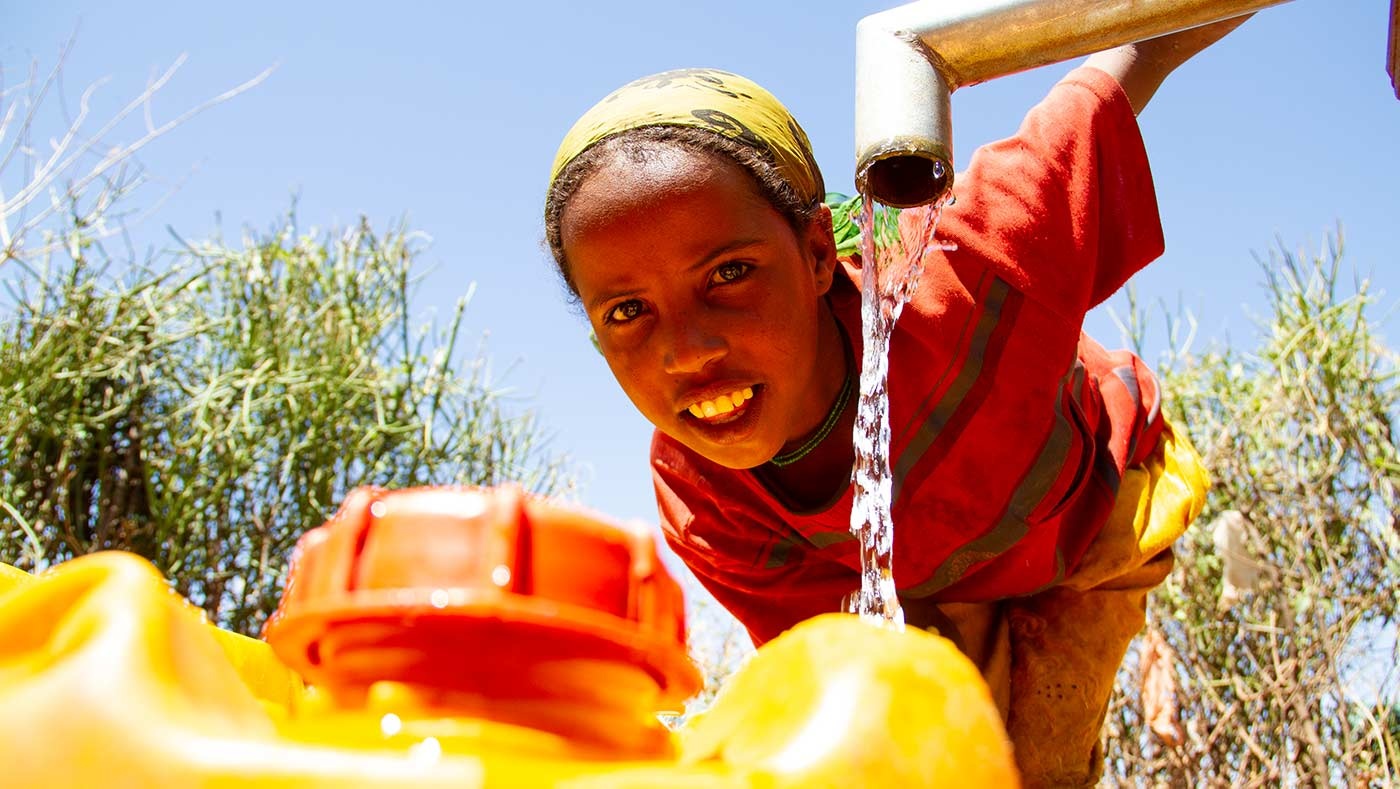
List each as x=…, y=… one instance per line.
x=721, y=405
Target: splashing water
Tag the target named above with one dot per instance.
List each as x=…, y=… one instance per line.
x=888, y=277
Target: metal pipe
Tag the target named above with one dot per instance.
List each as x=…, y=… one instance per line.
x=910, y=59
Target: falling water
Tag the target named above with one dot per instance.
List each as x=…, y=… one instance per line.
x=888, y=277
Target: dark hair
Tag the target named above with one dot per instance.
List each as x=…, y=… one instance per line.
x=637, y=145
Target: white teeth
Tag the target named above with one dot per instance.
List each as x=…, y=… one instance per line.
x=720, y=405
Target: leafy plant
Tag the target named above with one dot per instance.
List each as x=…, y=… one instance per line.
x=1300, y=436
x=205, y=408
x=204, y=415
x=845, y=223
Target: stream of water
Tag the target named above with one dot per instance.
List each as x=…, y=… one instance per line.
x=889, y=275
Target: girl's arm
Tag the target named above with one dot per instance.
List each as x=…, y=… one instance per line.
x=1140, y=68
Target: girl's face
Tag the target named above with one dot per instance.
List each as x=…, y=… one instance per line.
x=706, y=304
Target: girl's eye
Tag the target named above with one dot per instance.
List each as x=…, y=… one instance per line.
x=730, y=272
x=624, y=312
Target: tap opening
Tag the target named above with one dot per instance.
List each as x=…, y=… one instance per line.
x=906, y=179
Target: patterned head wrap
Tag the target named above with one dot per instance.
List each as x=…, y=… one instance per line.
x=719, y=101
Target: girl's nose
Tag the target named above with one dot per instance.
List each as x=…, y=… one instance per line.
x=691, y=347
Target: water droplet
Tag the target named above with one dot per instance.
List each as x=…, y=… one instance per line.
x=439, y=598
x=377, y=509
x=501, y=575
x=390, y=724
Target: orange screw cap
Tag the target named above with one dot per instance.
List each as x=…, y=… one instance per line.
x=464, y=588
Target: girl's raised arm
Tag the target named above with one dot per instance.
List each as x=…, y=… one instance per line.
x=1140, y=68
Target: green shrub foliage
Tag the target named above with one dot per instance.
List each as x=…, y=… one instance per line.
x=1292, y=680
x=205, y=413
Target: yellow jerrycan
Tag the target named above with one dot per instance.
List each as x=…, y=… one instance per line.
x=464, y=637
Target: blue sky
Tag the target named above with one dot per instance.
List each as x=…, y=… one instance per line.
x=449, y=115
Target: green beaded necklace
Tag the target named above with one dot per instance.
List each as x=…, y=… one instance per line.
x=832, y=417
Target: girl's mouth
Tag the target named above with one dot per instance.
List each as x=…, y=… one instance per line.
x=732, y=422
x=722, y=408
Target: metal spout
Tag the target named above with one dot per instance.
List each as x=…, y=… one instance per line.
x=910, y=59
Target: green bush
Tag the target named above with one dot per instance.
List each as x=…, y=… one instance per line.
x=1300, y=438
x=205, y=414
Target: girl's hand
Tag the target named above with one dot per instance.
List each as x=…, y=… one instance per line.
x=1141, y=67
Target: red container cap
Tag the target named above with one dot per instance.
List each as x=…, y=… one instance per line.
x=452, y=587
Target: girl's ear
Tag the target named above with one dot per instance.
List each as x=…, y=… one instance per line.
x=820, y=243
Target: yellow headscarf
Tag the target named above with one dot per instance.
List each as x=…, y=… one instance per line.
x=719, y=101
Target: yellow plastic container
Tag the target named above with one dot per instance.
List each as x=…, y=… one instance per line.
x=463, y=637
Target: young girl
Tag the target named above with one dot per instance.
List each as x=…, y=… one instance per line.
x=1037, y=488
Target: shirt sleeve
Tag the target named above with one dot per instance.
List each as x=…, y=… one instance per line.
x=1065, y=211
x=768, y=580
